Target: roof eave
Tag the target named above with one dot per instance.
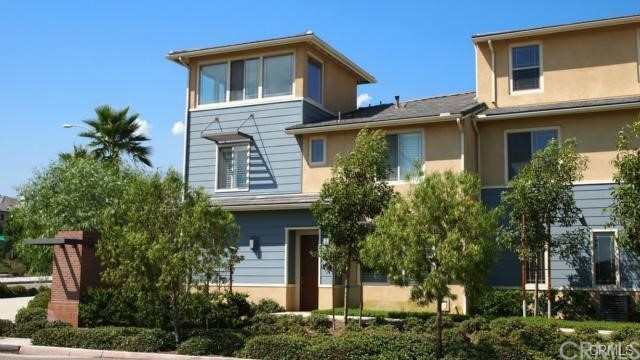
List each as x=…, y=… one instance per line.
x=373, y=124
x=565, y=111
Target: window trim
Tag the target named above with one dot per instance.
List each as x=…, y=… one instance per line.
x=506, y=149
x=638, y=52
x=260, y=99
x=216, y=189
x=424, y=151
x=324, y=150
x=541, y=66
x=310, y=55
x=616, y=258
x=541, y=286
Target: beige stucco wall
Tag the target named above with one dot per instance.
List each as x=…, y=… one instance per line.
x=576, y=65
x=595, y=133
x=339, y=84
x=441, y=145
x=391, y=297
x=281, y=294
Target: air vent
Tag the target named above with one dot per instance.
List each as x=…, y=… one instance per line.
x=613, y=307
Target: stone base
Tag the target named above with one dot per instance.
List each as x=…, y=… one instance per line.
x=67, y=311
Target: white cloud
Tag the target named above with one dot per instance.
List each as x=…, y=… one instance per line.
x=144, y=129
x=177, y=128
x=364, y=99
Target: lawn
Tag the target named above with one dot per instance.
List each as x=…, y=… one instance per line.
x=390, y=314
x=577, y=324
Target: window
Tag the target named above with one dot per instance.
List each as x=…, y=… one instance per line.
x=522, y=145
x=533, y=268
x=316, y=146
x=604, y=258
x=233, y=167
x=278, y=75
x=244, y=79
x=525, y=68
x=314, y=80
x=213, y=84
x=405, y=153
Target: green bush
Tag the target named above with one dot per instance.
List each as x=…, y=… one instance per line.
x=413, y=324
x=275, y=347
x=218, y=341
x=572, y=305
x=624, y=334
x=31, y=314
x=368, y=345
x=474, y=324
x=28, y=328
x=147, y=340
x=107, y=307
x=541, y=338
x=41, y=299
x=447, y=323
x=267, y=306
x=6, y=327
x=197, y=346
x=319, y=322
x=489, y=345
x=496, y=303
x=16, y=291
x=505, y=326
x=267, y=324
x=106, y=338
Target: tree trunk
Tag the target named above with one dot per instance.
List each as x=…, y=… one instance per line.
x=333, y=298
x=439, y=328
x=175, y=317
x=523, y=267
x=537, y=282
x=548, y=268
x=206, y=285
x=231, y=279
x=361, y=291
x=347, y=282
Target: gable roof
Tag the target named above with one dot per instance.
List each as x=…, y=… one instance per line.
x=7, y=203
x=432, y=109
x=542, y=30
x=309, y=37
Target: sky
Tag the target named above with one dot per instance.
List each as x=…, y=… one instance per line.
x=61, y=59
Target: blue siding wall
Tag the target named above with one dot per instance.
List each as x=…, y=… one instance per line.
x=275, y=157
x=593, y=200
x=266, y=264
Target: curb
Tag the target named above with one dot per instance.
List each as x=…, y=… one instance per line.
x=9, y=348
x=99, y=354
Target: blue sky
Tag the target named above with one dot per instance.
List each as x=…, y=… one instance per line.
x=61, y=59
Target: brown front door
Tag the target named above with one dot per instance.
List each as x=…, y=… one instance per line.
x=308, y=273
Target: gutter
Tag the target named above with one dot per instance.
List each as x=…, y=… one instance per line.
x=567, y=111
x=493, y=73
x=461, y=129
x=374, y=124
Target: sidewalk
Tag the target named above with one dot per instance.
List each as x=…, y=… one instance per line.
x=9, y=306
x=23, y=347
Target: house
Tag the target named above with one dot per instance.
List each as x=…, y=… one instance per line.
x=265, y=120
x=6, y=204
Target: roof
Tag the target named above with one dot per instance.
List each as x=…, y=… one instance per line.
x=541, y=30
x=7, y=203
x=630, y=102
x=437, y=108
x=263, y=202
x=309, y=37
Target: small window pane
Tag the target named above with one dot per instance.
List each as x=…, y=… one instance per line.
x=525, y=56
x=240, y=166
x=213, y=84
x=278, y=75
x=314, y=80
x=317, y=151
x=392, y=157
x=605, y=262
x=237, y=80
x=542, y=137
x=518, y=152
x=526, y=79
x=410, y=153
x=532, y=269
x=232, y=167
x=225, y=168
x=251, y=78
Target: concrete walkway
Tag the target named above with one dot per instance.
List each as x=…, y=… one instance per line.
x=9, y=307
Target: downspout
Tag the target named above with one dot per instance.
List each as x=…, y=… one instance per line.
x=493, y=73
x=461, y=129
x=185, y=154
x=474, y=122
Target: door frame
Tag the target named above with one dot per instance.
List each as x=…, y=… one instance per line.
x=309, y=230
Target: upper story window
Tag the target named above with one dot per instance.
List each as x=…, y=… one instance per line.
x=314, y=80
x=605, y=266
x=246, y=79
x=526, y=71
x=317, y=151
x=405, y=153
x=233, y=167
x=522, y=145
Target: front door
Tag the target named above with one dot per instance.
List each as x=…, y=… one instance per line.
x=308, y=273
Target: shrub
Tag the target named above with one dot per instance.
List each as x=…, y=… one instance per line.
x=106, y=338
x=489, y=345
x=41, y=299
x=496, y=303
x=6, y=327
x=275, y=347
x=447, y=323
x=218, y=341
x=105, y=306
x=625, y=334
x=28, y=328
x=572, y=305
x=505, y=326
x=267, y=324
x=57, y=324
x=197, y=346
x=381, y=345
x=416, y=325
x=474, y=324
x=31, y=314
x=318, y=322
x=230, y=310
x=147, y=340
x=16, y=291
x=542, y=338
x=267, y=306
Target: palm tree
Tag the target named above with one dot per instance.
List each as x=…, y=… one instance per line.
x=114, y=132
x=79, y=152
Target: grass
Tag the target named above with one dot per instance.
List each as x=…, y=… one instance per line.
x=390, y=314
x=578, y=324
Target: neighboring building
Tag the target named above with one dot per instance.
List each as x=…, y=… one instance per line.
x=6, y=204
x=266, y=119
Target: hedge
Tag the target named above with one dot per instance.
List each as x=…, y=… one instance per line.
x=275, y=347
x=16, y=291
x=106, y=338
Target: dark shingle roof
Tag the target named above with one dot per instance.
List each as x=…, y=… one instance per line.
x=7, y=203
x=563, y=105
x=456, y=104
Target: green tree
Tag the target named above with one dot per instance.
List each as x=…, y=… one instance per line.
x=356, y=193
x=626, y=194
x=224, y=233
x=439, y=235
x=542, y=193
x=68, y=194
x=152, y=240
x=77, y=152
x=114, y=132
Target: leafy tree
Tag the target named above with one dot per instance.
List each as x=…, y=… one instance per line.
x=626, y=195
x=224, y=233
x=356, y=193
x=152, y=241
x=114, y=132
x=541, y=196
x=68, y=194
x=439, y=235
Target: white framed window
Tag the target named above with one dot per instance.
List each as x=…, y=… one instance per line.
x=244, y=79
x=233, y=167
x=317, y=151
x=314, y=80
x=538, y=267
x=606, y=260
x=405, y=153
x=213, y=84
x=277, y=75
x=520, y=145
x=525, y=68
